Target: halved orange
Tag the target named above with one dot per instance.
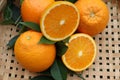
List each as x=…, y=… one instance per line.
x=60, y=20
x=81, y=52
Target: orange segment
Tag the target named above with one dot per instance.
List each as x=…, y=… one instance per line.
x=81, y=52
x=60, y=20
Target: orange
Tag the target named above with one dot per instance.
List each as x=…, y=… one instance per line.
x=31, y=10
x=59, y=21
x=31, y=55
x=81, y=52
x=94, y=16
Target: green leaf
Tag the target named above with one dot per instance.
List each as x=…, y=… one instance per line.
x=21, y=2
x=9, y=2
x=15, y=12
x=73, y=1
x=7, y=13
x=58, y=70
x=46, y=72
x=80, y=75
x=40, y=77
x=61, y=48
x=31, y=25
x=66, y=40
x=22, y=29
x=11, y=13
x=11, y=43
x=7, y=22
x=44, y=40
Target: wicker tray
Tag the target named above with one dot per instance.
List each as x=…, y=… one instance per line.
x=105, y=67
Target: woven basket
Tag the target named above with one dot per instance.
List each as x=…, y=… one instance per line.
x=105, y=67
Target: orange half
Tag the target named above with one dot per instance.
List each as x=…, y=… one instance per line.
x=60, y=20
x=81, y=52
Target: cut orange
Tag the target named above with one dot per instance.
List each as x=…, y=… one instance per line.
x=60, y=20
x=81, y=52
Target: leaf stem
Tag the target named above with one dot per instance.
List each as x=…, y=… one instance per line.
x=80, y=75
x=17, y=21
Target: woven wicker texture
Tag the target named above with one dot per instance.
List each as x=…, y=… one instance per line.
x=105, y=67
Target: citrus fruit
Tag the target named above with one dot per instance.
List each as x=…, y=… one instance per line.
x=59, y=20
x=31, y=10
x=94, y=16
x=81, y=52
x=31, y=55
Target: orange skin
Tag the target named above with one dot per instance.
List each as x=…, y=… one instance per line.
x=94, y=16
x=31, y=55
x=31, y=10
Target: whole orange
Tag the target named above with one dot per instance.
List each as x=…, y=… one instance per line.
x=94, y=16
x=31, y=55
x=31, y=10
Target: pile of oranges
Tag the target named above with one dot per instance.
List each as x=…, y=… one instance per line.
x=59, y=20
